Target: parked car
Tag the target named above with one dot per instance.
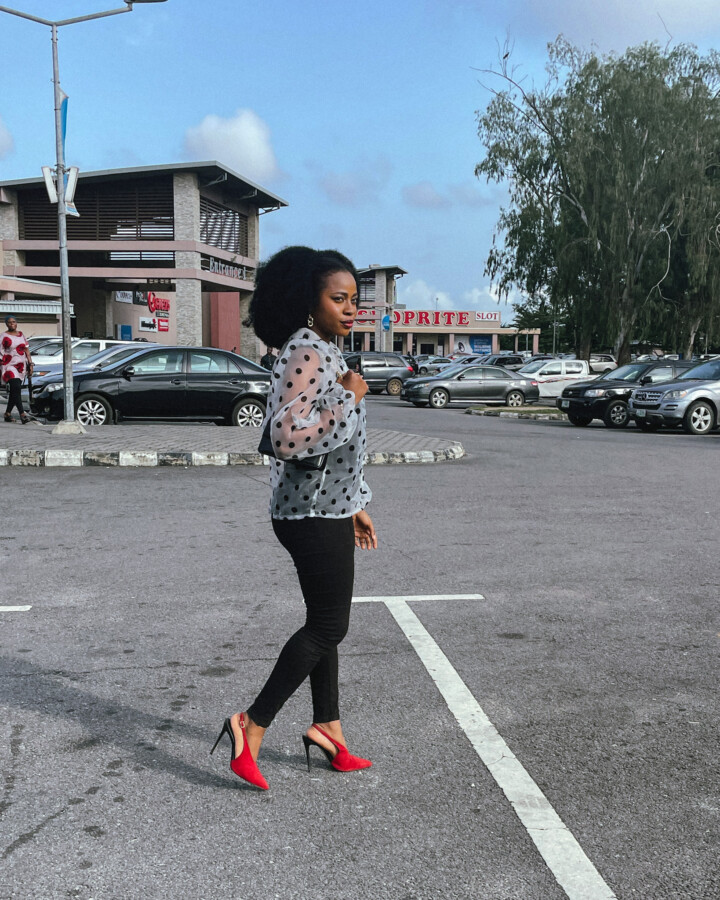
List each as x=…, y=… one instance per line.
x=425, y=363
x=552, y=375
x=186, y=383
x=602, y=362
x=81, y=349
x=692, y=401
x=434, y=368
x=381, y=371
x=470, y=383
x=606, y=397
x=506, y=360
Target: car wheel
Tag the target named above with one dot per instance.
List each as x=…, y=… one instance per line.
x=419, y=402
x=616, y=415
x=439, y=398
x=515, y=398
x=394, y=386
x=92, y=410
x=248, y=414
x=423, y=370
x=580, y=421
x=644, y=425
x=700, y=418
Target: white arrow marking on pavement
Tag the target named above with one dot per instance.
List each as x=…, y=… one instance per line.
x=15, y=608
x=566, y=859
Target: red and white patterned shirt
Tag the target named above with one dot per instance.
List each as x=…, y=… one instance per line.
x=13, y=360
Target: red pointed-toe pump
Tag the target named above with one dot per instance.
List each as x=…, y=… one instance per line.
x=244, y=766
x=342, y=760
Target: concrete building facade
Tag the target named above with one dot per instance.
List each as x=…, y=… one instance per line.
x=167, y=253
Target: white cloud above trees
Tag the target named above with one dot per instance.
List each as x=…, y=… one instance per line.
x=242, y=142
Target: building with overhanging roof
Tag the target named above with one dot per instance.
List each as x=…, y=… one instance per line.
x=164, y=252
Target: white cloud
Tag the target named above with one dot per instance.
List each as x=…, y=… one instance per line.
x=359, y=185
x=424, y=196
x=419, y=294
x=7, y=144
x=616, y=24
x=242, y=142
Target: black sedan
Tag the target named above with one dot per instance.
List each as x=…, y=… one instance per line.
x=184, y=383
x=606, y=397
x=466, y=384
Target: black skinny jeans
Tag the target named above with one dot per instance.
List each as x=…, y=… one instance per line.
x=323, y=551
x=14, y=396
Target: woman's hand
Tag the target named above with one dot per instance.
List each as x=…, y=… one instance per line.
x=365, y=537
x=354, y=383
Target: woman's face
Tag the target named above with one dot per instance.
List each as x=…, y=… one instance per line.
x=11, y=324
x=335, y=312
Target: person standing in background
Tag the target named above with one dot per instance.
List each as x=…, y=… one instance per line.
x=14, y=363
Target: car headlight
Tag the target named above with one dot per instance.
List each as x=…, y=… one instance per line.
x=418, y=384
x=596, y=392
x=54, y=387
x=676, y=395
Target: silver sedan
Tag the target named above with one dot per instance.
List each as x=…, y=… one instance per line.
x=466, y=384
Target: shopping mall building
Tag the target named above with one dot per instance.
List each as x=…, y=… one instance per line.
x=384, y=325
x=166, y=253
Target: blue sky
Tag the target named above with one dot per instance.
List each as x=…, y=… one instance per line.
x=361, y=115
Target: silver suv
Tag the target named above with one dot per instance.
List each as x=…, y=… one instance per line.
x=692, y=400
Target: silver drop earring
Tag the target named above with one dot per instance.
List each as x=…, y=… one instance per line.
x=310, y=320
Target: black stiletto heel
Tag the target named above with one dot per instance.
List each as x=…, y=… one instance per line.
x=310, y=742
x=226, y=729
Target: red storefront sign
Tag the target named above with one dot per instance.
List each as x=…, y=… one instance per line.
x=426, y=318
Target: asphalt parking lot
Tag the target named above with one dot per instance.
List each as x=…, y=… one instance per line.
x=159, y=598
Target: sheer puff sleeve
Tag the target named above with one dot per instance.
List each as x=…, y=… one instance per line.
x=314, y=413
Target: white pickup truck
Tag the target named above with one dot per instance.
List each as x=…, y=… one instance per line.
x=552, y=375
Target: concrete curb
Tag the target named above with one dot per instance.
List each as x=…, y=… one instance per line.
x=552, y=417
x=143, y=458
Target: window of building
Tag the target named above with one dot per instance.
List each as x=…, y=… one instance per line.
x=223, y=227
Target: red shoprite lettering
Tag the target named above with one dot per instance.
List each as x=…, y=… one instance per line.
x=155, y=303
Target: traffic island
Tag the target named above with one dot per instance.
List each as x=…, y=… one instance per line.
x=188, y=445
x=541, y=413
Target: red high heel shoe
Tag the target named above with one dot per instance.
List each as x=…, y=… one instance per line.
x=343, y=760
x=244, y=766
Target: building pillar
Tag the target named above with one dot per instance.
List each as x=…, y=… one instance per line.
x=189, y=312
x=188, y=292
x=447, y=350
x=496, y=343
x=516, y=343
x=536, y=344
x=408, y=342
x=366, y=341
x=9, y=231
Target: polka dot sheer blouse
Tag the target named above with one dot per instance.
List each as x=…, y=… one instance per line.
x=312, y=414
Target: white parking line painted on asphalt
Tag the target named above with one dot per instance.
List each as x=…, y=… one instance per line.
x=564, y=856
x=412, y=599
x=15, y=608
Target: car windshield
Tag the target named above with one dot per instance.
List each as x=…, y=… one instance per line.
x=708, y=371
x=630, y=372
x=107, y=358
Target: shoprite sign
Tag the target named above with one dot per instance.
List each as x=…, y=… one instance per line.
x=427, y=318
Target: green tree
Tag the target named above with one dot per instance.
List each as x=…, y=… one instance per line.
x=605, y=165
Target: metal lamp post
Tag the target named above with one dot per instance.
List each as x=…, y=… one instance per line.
x=69, y=405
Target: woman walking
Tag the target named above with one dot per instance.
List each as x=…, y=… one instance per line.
x=14, y=361
x=303, y=299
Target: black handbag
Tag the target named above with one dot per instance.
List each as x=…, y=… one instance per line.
x=312, y=463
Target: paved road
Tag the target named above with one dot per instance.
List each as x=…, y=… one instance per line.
x=159, y=599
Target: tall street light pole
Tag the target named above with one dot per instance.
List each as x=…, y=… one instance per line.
x=69, y=398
